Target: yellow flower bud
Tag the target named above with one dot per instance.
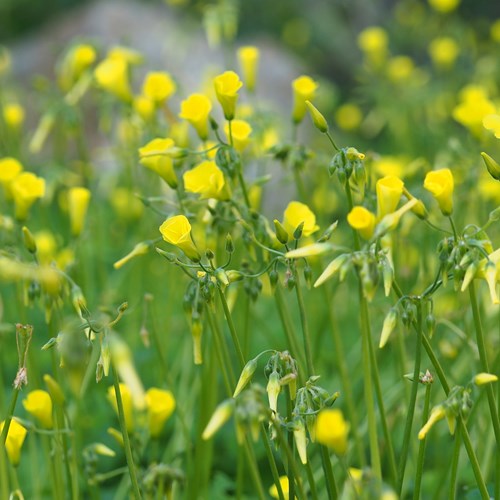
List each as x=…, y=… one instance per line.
x=142, y=248
x=160, y=405
x=299, y=435
x=373, y=41
x=26, y=188
x=196, y=109
x=226, y=89
x=144, y=107
x=437, y=414
x=273, y=490
x=162, y=162
x=249, y=59
x=332, y=430
x=13, y=115
x=54, y=389
x=240, y=132
x=220, y=416
x=440, y=184
x=273, y=390
x=78, y=202
x=331, y=269
x=390, y=322
x=39, y=404
x=158, y=86
x=112, y=76
x=15, y=439
x=389, y=190
x=207, y=180
x=362, y=220
x=128, y=408
x=246, y=376
x=318, y=119
x=177, y=231
x=485, y=378
x=309, y=251
x=76, y=61
x=296, y=213
x=304, y=89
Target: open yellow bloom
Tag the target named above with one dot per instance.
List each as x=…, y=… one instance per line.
x=160, y=163
x=196, y=109
x=362, y=220
x=145, y=107
x=158, y=86
x=128, y=407
x=440, y=184
x=249, y=59
x=444, y=6
x=177, y=231
x=78, y=202
x=112, y=76
x=296, y=213
x=240, y=131
x=160, y=405
x=10, y=168
x=26, y=188
x=13, y=115
x=76, y=61
x=273, y=490
x=444, y=52
x=304, y=89
x=332, y=430
x=207, y=180
x=15, y=439
x=373, y=41
x=226, y=89
x=39, y=404
x=389, y=190
x=474, y=106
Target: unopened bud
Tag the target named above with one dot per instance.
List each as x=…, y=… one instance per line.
x=318, y=119
x=229, y=244
x=221, y=415
x=485, y=378
x=54, y=389
x=437, y=413
x=221, y=276
x=390, y=322
x=273, y=389
x=281, y=232
x=29, y=240
x=297, y=234
x=299, y=435
x=492, y=166
x=141, y=248
x=246, y=376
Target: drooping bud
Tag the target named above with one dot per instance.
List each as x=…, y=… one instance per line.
x=485, y=378
x=246, y=376
x=492, y=166
x=281, y=232
x=273, y=389
x=437, y=413
x=299, y=435
x=318, y=119
x=220, y=416
x=390, y=322
x=29, y=240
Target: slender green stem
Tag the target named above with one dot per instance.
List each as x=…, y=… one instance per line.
x=454, y=465
x=331, y=485
x=413, y=400
x=254, y=469
x=484, y=362
x=454, y=229
x=272, y=462
x=126, y=439
x=4, y=477
x=291, y=478
x=421, y=447
x=312, y=483
x=10, y=414
x=330, y=138
x=232, y=329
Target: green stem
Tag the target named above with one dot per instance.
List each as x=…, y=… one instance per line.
x=331, y=486
x=272, y=462
x=10, y=414
x=254, y=470
x=291, y=478
x=126, y=439
x=454, y=465
x=312, y=483
x=330, y=138
x=413, y=400
x=232, y=329
x=484, y=362
x=421, y=446
x=454, y=229
x=65, y=454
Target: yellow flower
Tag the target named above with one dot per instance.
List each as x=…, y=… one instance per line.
x=485, y=378
x=76, y=61
x=373, y=41
x=10, y=168
x=207, y=180
x=437, y=414
x=444, y=6
x=46, y=246
x=226, y=89
x=348, y=117
x=332, y=430
x=400, y=69
x=319, y=121
x=160, y=405
x=158, y=86
x=39, y=404
x=13, y=115
x=160, y=163
x=273, y=490
x=249, y=59
x=440, y=184
x=112, y=76
x=177, y=231
x=144, y=107
x=196, y=109
x=125, y=54
x=390, y=165
x=78, y=202
x=492, y=122
x=389, y=191
x=444, y=51
x=304, y=89
x=128, y=408
x=296, y=213
x=474, y=106
x=14, y=441
x=240, y=132
x=26, y=188
x=362, y=220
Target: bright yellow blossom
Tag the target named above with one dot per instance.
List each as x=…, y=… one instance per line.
x=373, y=41
x=331, y=430
x=362, y=220
x=440, y=184
x=389, y=190
x=158, y=86
x=160, y=405
x=13, y=115
x=196, y=110
x=10, y=168
x=177, y=231
x=26, y=188
x=249, y=59
x=78, y=202
x=444, y=6
x=15, y=439
x=492, y=122
x=162, y=162
x=443, y=52
x=39, y=404
x=226, y=89
x=296, y=213
x=304, y=89
x=112, y=76
x=77, y=60
x=207, y=180
x=273, y=490
x=240, y=133
x=474, y=106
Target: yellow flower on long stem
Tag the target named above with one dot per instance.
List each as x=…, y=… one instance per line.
x=240, y=133
x=13, y=115
x=207, y=180
x=162, y=162
x=10, y=168
x=389, y=190
x=331, y=430
x=362, y=220
x=440, y=184
x=112, y=76
x=177, y=231
x=39, y=404
x=196, y=109
x=160, y=405
x=273, y=490
x=249, y=59
x=297, y=213
x=226, y=89
x=14, y=442
x=26, y=188
x=304, y=89
x=158, y=86
x=78, y=202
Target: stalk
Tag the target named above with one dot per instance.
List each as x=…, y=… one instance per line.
x=421, y=446
x=454, y=465
x=232, y=329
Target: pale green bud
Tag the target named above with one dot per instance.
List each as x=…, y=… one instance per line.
x=318, y=119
